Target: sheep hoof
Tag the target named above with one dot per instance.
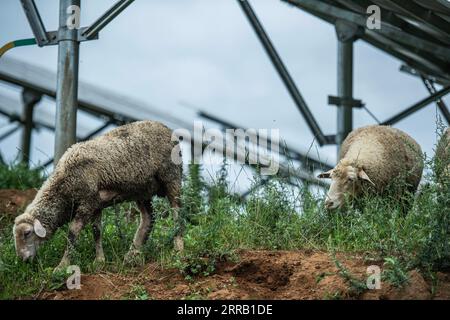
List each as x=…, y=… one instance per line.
x=134, y=257
x=99, y=262
x=62, y=266
x=178, y=244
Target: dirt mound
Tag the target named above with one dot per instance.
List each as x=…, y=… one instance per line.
x=258, y=275
x=271, y=276
x=12, y=201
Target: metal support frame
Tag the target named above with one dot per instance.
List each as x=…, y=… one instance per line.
x=67, y=83
x=68, y=40
x=346, y=35
x=85, y=138
x=106, y=18
x=322, y=139
x=420, y=73
x=440, y=103
x=97, y=131
x=386, y=29
x=30, y=99
x=9, y=132
x=417, y=106
x=308, y=162
x=361, y=6
x=36, y=24
x=410, y=8
x=196, y=152
x=418, y=61
x=255, y=187
x=412, y=46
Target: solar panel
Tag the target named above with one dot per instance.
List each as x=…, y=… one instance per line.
x=416, y=32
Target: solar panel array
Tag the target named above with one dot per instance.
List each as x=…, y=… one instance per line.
x=414, y=31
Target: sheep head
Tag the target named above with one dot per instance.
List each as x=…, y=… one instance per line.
x=28, y=234
x=346, y=181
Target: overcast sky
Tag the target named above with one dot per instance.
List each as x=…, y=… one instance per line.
x=205, y=53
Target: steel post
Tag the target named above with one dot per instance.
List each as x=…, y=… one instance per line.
x=67, y=81
x=345, y=90
x=29, y=98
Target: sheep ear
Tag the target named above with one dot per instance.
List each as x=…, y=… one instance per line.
x=363, y=175
x=39, y=229
x=325, y=175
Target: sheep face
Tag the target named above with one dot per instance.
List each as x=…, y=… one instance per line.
x=27, y=237
x=346, y=182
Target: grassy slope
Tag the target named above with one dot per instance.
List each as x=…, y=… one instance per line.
x=217, y=224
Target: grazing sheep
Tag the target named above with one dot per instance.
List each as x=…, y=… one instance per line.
x=372, y=157
x=443, y=157
x=130, y=163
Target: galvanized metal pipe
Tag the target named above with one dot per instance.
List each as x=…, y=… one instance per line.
x=67, y=81
x=345, y=90
x=417, y=106
x=106, y=18
x=440, y=103
x=29, y=98
x=35, y=21
x=9, y=132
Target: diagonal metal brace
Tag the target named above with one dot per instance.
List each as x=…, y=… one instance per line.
x=35, y=21
x=416, y=107
x=106, y=18
x=440, y=103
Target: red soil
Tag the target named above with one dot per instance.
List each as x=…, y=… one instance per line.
x=258, y=275
x=12, y=201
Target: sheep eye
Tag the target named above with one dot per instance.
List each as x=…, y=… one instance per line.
x=27, y=233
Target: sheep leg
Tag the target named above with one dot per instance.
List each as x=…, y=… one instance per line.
x=97, y=232
x=173, y=194
x=141, y=235
x=74, y=230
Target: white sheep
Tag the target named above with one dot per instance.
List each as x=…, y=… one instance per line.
x=372, y=158
x=133, y=162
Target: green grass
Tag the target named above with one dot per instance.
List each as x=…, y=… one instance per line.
x=218, y=223
x=18, y=176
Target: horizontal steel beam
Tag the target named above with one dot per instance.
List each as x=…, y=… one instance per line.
x=288, y=151
x=17, y=118
x=391, y=18
x=85, y=106
x=421, y=14
x=398, y=51
x=417, y=72
x=416, y=107
x=386, y=30
x=306, y=160
x=338, y=101
x=444, y=3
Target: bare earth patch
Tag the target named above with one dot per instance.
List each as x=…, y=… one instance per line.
x=258, y=275
x=12, y=201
